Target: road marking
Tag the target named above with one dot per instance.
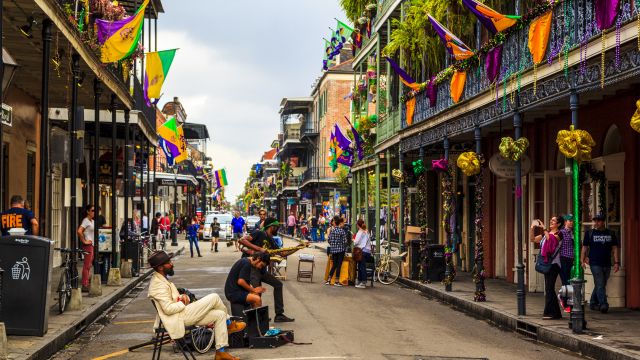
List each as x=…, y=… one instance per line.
x=133, y=322
x=114, y=354
x=309, y=358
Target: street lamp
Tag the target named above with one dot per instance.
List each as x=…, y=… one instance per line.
x=174, y=228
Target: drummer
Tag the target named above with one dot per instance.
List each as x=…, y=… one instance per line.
x=261, y=241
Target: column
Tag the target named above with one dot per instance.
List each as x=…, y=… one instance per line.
x=44, y=128
x=377, y=203
x=365, y=175
x=125, y=174
x=115, y=262
x=388, y=222
x=401, y=201
x=520, y=292
x=449, y=259
x=479, y=246
x=97, y=92
x=75, y=71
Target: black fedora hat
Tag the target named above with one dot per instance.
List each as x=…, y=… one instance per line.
x=158, y=258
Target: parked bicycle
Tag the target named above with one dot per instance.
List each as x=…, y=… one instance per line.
x=68, y=276
x=387, y=269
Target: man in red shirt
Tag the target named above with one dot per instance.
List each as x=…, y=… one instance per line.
x=165, y=225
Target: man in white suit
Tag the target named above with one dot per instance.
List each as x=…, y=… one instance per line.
x=176, y=311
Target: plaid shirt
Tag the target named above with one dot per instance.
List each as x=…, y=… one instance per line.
x=566, y=250
x=337, y=240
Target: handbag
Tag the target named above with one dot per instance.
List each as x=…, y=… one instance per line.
x=542, y=266
x=357, y=254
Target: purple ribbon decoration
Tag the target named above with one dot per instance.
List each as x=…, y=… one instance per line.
x=440, y=165
x=492, y=63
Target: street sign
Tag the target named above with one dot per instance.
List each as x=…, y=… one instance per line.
x=395, y=190
x=7, y=115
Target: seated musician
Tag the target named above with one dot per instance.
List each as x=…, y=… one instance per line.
x=237, y=288
x=262, y=241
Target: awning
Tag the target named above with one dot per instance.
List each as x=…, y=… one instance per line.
x=168, y=178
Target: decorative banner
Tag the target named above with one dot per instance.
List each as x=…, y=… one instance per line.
x=119, y=38
x=635, y=119
x=343, y=31
x=454, y=46
x=221, y=178
x=404, y=77
x=432, y=91
x=156, y=70
x=469, y=163
x=418, y=167
x=575, y=144
x=411, y=107
x=358, y=141
x=457, y=85
x=182, y=145
x=492, y=62
x=539, y=31
x=491, y=19
x=606, y=11
x=440, y=165
x=511, y=149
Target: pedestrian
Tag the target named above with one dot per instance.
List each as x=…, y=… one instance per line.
x=177, y=312
x=154, y=231
x=18, y=217
x=262, y=213
x=239, y=228
x=86, y=234
x=598, y=245
x=314, y=228
x=291, y=224
x=322, y=226
x=337, y=249
x=192, y=235
x=215, y=234
x=238, y=288
x=550, y=243
x=362, y=245
x=262, y=241
x=566, y=250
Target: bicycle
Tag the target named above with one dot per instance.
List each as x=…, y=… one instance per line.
x=68, y=275
x=387, y=270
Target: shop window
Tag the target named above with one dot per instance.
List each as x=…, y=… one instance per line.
x=31, y=177
x=612, y=142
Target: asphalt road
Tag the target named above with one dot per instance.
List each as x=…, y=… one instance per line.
x=386, y=322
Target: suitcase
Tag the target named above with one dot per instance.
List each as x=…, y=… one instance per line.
x=267, y=342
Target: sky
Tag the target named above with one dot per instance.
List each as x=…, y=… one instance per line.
x=236, y=61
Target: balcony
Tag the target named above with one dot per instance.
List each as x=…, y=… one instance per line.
x=292, y=183
x=551, y=82
x=388, y=127
x=310, y=131
x=313, y=174
x=140, y=104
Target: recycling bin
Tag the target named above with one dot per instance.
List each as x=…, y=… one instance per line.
x=25, y=292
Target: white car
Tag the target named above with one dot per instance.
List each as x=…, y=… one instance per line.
x=251, y=222
x=225, y=226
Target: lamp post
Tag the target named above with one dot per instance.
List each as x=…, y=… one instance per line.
x=174, y=229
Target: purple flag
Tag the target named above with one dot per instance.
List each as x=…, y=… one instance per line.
x=492, y=63
x=432, y=91
x=606, y=12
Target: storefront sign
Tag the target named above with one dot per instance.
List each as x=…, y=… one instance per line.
x=504, y=168
x=7, y=115
x=168, y=182
x=412, y=190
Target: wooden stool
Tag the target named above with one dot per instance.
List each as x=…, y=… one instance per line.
x=306, y=274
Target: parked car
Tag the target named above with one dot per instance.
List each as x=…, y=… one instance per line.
x=225, y=226
x=251, y=222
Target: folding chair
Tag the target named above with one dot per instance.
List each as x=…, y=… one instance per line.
x=306, y=274
x=159, y=339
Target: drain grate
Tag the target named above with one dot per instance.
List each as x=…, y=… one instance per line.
x=527, y=329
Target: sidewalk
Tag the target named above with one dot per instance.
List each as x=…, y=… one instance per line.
x=615, y=335
x=64, y=327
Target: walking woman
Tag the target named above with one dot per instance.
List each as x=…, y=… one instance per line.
x=215, y=234
x=362, y=253
x=192, y=234
x=86, y=232
x=337, y=249
x=550, y=243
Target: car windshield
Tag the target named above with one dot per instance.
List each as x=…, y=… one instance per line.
x=252, y=219
x=222, y=218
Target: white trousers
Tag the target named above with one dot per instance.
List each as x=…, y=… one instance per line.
x=206, y=311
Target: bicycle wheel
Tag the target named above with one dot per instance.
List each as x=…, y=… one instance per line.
x=202, y=339
x=63, y=291
x=389, y=273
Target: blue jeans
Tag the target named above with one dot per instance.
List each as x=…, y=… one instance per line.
x=314, y=234
x=192, y=240
x=362, y=266
x=600, y=277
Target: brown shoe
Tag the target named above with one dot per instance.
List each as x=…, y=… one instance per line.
x=225, y=356
x=236, y=326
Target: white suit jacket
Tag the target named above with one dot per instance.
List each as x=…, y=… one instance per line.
x=164, y=294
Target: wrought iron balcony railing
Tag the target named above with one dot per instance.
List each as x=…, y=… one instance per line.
x=315, y=173
x=573, y=23
x=388, y=127
x=149, y=112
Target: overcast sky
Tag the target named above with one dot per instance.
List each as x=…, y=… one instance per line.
x=237, y=60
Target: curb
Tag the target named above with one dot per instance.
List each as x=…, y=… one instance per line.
x=68, y=334
x=567, y=341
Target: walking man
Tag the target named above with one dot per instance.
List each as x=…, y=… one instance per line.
x=239, y=226
x=598, y=245
x=291, y=224
x=260, y=224
x=18, y=217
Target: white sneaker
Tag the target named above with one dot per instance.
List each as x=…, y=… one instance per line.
x=328, y=283
x=361, y=286
x=337, y=284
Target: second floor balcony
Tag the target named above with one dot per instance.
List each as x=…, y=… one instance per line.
x=318, y=174
x=388, y=126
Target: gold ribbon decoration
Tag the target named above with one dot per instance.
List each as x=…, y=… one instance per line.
x=513, y=149
x=469, y=163
x=398, y=175
x=635, y=119
x=575, y=144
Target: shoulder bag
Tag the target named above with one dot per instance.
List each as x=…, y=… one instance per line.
x=542, y=266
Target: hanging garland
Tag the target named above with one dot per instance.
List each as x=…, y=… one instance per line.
x=586, y=176
x=469, y=163
x=575, y=144
x=418, y=167
x=513, y=149
x=397, y=175
x=478, y=270
x=447, y=212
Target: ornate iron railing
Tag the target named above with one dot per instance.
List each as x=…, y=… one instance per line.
x=573, y=23
x=388, y=127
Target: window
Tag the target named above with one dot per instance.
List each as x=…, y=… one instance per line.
x=31, y=177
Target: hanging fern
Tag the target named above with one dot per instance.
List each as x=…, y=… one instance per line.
x=354, y=8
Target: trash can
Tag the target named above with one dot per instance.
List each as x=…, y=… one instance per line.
x=415, y=259
x=435, y=263
x=25, y=293
x=131, y=251
x=174, y=234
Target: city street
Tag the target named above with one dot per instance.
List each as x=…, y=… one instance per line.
x=386, y=322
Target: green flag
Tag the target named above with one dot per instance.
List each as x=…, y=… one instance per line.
x=343, y=31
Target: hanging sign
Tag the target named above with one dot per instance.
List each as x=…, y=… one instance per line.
x=504, y=168
x=7, y=115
